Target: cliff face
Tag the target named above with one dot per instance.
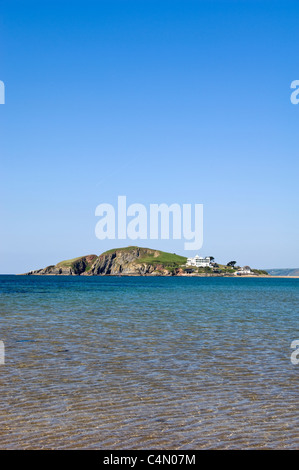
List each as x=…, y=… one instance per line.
x=122, y=261
x=68, y=268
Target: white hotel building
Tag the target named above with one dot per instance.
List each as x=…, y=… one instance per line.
x=199, y=262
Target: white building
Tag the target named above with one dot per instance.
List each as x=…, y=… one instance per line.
x=244, y=270
x=199, y=262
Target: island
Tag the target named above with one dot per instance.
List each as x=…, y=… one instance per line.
x=139, y=261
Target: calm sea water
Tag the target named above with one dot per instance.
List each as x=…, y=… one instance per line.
x=148, y=363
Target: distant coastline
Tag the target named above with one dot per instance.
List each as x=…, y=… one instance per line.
x=286, y=272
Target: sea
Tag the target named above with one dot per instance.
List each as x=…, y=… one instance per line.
x=148, y=363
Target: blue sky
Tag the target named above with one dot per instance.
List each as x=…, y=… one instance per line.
x=161, y=101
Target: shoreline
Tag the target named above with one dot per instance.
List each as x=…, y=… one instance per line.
x=156, y=275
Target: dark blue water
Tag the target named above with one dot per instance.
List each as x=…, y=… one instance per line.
x=146, y=362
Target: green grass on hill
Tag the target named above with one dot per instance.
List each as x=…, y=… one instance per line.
x=261, y=272
x=164, y=258
x=69, y=262
x=126, y=248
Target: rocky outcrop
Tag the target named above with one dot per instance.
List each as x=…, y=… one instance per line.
x=67, y=268
x=53, y=270
x=122, y=261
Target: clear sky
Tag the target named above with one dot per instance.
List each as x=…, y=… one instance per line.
x=161, y=101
